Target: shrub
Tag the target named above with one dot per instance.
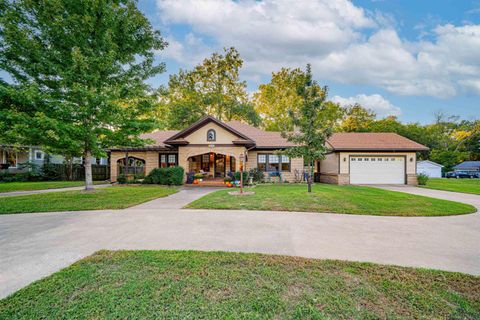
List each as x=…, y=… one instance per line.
x=422, y=179
x=257, y=175
x=227, y=179
x=122, y=179
x=236, y=176
x=198, y=176
x=165, y=176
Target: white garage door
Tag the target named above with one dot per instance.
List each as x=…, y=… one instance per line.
x=377, y=170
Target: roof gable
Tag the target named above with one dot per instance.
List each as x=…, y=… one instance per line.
x=202, y=123
x=429, y=162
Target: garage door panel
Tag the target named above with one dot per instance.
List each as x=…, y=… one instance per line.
x=377, y=170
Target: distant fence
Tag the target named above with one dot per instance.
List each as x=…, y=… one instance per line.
x=99, y=172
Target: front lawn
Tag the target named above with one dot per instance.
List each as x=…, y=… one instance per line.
x=215, y=285
x=333, y=198
x=456, y=185
x=117, y=197
x=41, y=185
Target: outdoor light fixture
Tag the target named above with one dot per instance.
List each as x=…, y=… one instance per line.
x=344, y=159
x=411, y=159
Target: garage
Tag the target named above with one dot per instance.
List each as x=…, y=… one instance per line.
x=377, y=169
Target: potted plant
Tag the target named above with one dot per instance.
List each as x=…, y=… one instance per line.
x=227, y=180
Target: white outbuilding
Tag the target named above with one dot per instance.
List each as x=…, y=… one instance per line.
x=430, y=168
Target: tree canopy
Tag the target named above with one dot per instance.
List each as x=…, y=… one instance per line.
x=211, y=88
x=79, y=69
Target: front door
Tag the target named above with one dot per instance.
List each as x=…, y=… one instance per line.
x=219, y=166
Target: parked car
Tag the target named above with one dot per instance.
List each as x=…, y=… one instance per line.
x=462, y=174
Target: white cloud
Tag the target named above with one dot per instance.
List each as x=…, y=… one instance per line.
x=330, y=35
x=375, y=102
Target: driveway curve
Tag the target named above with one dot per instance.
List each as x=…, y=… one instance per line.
x=35, y=245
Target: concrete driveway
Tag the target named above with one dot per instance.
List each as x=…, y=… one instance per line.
x=35, y=245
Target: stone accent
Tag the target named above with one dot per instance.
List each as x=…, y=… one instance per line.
x=412, y=179
x=333, y=178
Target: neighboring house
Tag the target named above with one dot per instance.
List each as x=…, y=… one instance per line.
x=15, y=157
x=468, y=166
x=430, y=168
x=214, y=148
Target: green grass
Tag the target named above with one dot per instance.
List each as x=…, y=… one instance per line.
x=41, y=185
x=117, y=197
x=456, y=185
x=215, y=285
x=333, y=198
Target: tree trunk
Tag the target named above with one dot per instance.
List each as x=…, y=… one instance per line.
x=309, y=178
x=88, y=170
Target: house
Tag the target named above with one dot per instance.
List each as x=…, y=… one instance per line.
x=13, y=159
x=430, y=168
x=213, y=147
x=468, y=166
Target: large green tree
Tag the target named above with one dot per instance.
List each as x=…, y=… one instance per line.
x=211, y=88
x=275, y=100
x=313, y=124
x=79, y=69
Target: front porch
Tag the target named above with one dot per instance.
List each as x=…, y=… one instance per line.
x=213, y=166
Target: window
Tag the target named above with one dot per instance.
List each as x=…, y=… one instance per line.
x=262, y=162
x=285, y=163
x=211, y=135
x=353, y=159
x=372, y=159
x=38, y=155
x=379, y=159
x=392, y=159
x=273, y=162
x=135, y=166
x=167, y=160
x=366, y=159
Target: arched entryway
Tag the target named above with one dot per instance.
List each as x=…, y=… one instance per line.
x=212, y=165
x=136, y=166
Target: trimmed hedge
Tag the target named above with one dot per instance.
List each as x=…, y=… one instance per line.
x=166, y=176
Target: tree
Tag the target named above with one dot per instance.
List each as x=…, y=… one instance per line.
x=81, y=65
x=313, y=123
x=357, y=119
x=275, y=101
x=211, y=88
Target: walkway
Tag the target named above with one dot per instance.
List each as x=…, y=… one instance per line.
x=33, y=246
x=27, y=192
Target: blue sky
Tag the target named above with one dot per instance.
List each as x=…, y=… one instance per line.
x=408, y=58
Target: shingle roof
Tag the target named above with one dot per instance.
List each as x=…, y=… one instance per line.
x=372, y=141
x=263, y=139
x=344, y=141
x=468, y=164
x=159, y=137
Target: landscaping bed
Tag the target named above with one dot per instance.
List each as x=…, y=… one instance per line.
x=455, y=185
x=41, y=185
x=215, y=285
x=116, y=197
x=333, y=198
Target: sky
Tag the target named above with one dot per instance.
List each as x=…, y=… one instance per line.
x=409, y=58
x=405, y=58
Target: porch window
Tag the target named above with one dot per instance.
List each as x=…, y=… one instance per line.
x=168, y=160
x=273, y=162
x=135, y=166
